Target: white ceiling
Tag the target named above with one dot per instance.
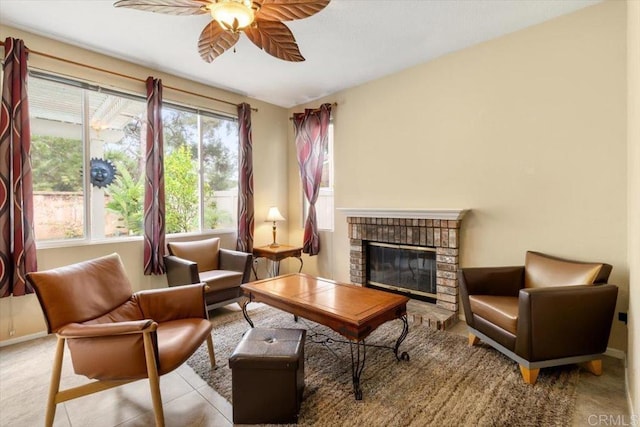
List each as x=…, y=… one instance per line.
x=348, y=43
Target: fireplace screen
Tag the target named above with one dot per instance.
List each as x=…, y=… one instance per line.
x=406, y=269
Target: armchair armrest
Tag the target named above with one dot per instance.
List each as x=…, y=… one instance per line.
x=564, y=321
x=182, y=302
x=181, y=271
x=236, y=261
x=501, y=281
x=110, y=351
x=79, y=330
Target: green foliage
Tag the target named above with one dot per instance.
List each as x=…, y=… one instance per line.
x=127, y=199
x=126, y=162
x=56, y=163
x=181, y=191
x=213, y=217
x=219, y=162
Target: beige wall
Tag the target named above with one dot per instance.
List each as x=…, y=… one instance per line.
x=527, y=130
x=22, y=314
x=633, y=138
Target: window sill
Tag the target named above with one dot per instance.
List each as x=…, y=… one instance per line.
x=53, y=244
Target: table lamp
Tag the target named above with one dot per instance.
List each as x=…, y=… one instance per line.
x=274, y=215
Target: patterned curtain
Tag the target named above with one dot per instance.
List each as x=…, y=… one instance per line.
x=311, y=128
x=245, y=180
x=17, y=247
x=154, y=209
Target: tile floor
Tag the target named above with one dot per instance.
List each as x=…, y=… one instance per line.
x=189, y=401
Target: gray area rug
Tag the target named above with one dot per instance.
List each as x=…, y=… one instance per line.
x=446, y=382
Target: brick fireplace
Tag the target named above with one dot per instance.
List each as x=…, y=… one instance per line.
x=438, y=229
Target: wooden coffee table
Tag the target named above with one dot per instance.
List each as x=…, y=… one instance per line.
x=352, y=311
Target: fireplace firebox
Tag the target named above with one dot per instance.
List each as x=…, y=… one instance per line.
x=404, y=269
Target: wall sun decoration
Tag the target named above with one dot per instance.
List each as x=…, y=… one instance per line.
x=260, y=21
x=102, y=172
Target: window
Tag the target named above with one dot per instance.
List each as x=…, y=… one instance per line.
x=81, y=133
x=324, y=204
x=201, y=170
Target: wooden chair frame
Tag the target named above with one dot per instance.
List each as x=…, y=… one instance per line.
x=58, y=396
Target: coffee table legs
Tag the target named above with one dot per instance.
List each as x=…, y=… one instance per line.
x=244, y=312
x=358, y=357
x=403, y=335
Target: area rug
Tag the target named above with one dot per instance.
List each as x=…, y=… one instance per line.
x=445, y=382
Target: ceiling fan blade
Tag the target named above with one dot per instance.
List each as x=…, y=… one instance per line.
x=214, y=41
x=288, y=10
x=170, y=7
x=276, y=39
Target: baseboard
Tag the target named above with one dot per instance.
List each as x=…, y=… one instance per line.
x=628, y=392
x=23, y=338
x=614, y=352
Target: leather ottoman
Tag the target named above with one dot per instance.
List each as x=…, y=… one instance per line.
x=267, y=370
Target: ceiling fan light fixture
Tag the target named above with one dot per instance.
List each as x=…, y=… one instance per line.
x=232, y=15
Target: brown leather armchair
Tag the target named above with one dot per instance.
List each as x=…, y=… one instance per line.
x=114, y=336
x=549, y=312
x=223, y=270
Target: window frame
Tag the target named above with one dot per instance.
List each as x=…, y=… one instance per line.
x=86, y=87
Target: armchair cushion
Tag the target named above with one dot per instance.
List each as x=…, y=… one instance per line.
x=128, y=311
x=178, y=340
x=501, y=311
x=100, y=284
x=543, y=270
x=205, y=252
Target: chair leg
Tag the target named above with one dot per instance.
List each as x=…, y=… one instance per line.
x=154, y=380
x=529, y=375
x=54, y=386
x=473, y=340
x=212, y=355
x=593, y=366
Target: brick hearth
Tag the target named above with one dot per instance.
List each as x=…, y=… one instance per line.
x=426, y=228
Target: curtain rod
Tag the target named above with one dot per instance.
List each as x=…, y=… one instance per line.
x=335, y=104
x=115, y=73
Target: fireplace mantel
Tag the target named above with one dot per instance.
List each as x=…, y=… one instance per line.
x=448, y=214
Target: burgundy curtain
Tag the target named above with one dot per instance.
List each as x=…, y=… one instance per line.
x=311, y=129
x=18, y=247
x=154, y=208
x=245, y=180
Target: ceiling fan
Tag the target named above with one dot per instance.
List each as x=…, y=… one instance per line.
x=259, y=20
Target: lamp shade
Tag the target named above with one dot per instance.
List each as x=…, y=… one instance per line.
x=232, y=15
x=274, y=215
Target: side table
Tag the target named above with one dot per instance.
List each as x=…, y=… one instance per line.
x=275, y=254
